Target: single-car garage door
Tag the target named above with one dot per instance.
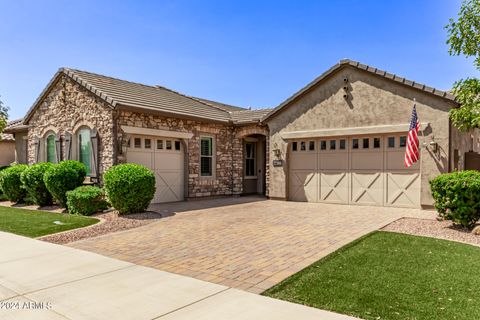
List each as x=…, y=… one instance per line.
x=165, y=157
x=363, y=170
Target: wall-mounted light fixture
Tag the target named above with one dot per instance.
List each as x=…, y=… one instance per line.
x=122, y=142
x=434, y=146
x=276, y=151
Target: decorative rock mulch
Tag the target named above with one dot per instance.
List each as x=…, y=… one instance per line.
x=435, y=229
x=110, y=222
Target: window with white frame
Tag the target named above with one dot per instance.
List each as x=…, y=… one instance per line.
x=250, y=159
x=206, y=156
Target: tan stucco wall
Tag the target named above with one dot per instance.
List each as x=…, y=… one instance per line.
x=463, y=142
x=373, y=100
x=7, y=152
x=21, y=147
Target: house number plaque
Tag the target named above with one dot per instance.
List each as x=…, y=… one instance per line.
x=278, y=163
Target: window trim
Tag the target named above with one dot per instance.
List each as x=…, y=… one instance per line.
x=323, y=145
x=405, y=142
x=390, y=139
x=212, y=156
x=254, y=158
x=76, y=147
x=47, y=135
x=134, y=143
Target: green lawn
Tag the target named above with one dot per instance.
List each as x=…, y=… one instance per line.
x=391, y=276
x=34, y=223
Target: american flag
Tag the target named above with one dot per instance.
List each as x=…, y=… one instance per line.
x=412, y=153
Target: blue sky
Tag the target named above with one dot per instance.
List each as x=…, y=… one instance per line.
x=247, y=53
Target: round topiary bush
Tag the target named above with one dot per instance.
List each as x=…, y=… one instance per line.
x=11, y=184
x=129, y=187
x=457, y=196
x=86, y=200
x=32, y=180
x=63, y=177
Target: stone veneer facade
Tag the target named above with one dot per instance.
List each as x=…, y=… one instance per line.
x=69, y=106
x=228, y=148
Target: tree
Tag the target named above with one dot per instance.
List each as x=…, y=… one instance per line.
x=464, y=39
x=3, y=116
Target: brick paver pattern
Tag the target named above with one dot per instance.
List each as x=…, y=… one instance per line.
x=248, y=243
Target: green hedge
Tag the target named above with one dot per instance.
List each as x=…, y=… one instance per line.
x=457, y=196
x=11, y=184
x=86, y=200
x=129, y=187
x=32, y=180
x=2, y=196
x=63, y=177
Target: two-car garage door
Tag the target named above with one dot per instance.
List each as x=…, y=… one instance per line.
x=165, y=157
x=364, y=170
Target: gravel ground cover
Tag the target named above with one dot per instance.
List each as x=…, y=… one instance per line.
x=110, y=222
x=433, y=228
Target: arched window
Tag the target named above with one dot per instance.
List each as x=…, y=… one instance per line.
x=85, y=148
x=50, y=154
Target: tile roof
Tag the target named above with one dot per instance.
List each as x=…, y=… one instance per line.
x=117, y=92
x=14, y=126
x=247, y=116
x=347, y=62
x=224, y=106
x=121, y=92
x=6, y=137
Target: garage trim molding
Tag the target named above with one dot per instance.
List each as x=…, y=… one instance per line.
x=350, y=131
x=157, y=132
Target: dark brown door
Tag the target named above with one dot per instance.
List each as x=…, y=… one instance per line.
x=472, y=161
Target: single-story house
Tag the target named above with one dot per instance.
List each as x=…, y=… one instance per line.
x=16, y=133
x=340, y=139
x=7, y=148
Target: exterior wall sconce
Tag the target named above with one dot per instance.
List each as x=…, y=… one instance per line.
x=434, y=146
x=276, y=151
x=122, y=142
x=278, y=154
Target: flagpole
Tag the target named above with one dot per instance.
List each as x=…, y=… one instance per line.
x=421, y=129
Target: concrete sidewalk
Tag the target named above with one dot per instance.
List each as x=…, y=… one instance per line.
x=39, y=280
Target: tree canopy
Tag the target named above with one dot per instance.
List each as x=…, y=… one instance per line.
x=3, y=116
x=464, y=39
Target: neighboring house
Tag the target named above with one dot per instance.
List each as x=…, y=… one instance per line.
x=7, y=149
x=340, y=139
x=19, y=136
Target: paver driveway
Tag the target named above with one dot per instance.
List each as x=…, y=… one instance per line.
x=248, y=243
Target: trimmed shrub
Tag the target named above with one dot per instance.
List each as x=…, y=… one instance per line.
x=129, y=187
x=32, y=180
x=63, y=177
x=11, y=184
x=2, y=196
x=457, y=196
x=86, y=200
